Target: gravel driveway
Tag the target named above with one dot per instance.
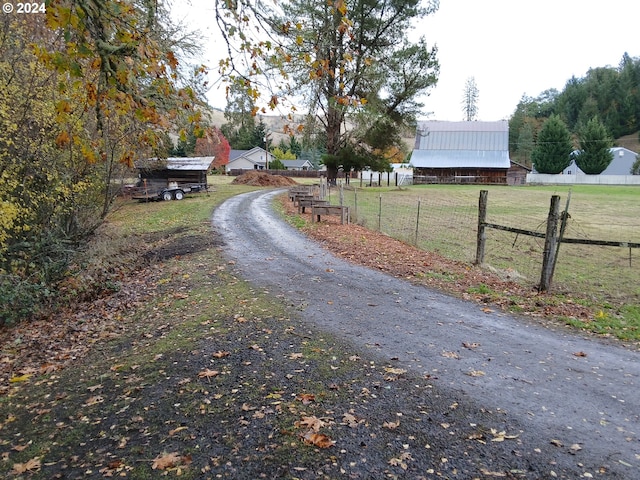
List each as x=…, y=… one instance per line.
x=580, y=394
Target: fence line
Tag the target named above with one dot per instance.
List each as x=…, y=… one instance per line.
x=445, y=220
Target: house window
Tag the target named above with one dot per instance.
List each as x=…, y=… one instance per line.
x=569, y=172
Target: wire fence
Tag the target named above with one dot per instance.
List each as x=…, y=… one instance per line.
x=444, y=219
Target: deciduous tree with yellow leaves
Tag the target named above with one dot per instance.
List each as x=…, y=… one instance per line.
x=84, y=89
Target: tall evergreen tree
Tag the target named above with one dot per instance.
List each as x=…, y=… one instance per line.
x=526, y=143
x=595, y=147
x=470, y=100
x=552, y=152
x=240, y=115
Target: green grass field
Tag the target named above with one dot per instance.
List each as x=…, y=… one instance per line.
x=443, y=218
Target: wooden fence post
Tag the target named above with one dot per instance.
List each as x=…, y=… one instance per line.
x=550, y=243
x=482, y=218
x=417, y=222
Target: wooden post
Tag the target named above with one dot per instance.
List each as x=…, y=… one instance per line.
x=550, y=242
x=417, y=222
x=482, y=235
x=564, y=218
x=380, y=213
x=355, y=203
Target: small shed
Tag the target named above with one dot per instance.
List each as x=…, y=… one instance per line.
x=186, y=172
x=517, y=174
x=461, y=152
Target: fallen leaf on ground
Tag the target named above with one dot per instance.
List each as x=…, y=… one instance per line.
x=501, y=436
x=207, y=373
x=21, y=378
x=94, y=400
x=489, y=473
x=391, y=425
x=350, y=420
x=451, y=355
x=312, y=422
x=319, y=440
x=306, y=398
x=475, y=373
x=579, y=354
x=32, y=465
x=167, y=460
x=395, y=371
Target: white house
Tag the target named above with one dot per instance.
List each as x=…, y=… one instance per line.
x=254, y=159
x=623, y=160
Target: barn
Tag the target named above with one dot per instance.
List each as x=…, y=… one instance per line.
x=461, y=152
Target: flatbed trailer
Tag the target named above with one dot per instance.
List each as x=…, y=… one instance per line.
x=171, y=192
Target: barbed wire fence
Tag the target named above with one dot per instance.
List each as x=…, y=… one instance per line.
x=445, y=221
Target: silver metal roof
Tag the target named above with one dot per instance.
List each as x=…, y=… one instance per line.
x=462, y=145
x=176, y=163
x=460, y=159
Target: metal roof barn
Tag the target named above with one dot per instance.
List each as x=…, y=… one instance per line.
x=462, y=145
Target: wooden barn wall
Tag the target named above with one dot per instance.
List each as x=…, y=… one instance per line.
x=460, y=175
x=180, y=176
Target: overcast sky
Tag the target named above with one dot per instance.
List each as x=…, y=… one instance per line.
x=510, y=47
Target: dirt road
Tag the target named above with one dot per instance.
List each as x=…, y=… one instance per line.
x=580, y=395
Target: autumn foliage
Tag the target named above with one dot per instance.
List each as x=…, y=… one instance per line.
x=214, y=143
x=85, y=89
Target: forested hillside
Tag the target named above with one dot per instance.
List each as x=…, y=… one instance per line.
x=610, y=93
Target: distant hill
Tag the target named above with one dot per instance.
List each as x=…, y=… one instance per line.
x=276, y=123
x=629, y=141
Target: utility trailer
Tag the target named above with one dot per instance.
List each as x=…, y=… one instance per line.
x=171, y=178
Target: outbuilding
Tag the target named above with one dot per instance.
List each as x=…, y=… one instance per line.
x=171, y=177
x=461, y=152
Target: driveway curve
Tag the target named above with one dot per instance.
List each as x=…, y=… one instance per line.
x=569, y=389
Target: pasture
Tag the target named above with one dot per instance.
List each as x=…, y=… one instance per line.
x=444, y=218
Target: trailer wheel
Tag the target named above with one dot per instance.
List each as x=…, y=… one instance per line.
x=178, y=194
x=166, y=196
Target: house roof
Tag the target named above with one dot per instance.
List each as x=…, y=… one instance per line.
x=175, y=163
x=461, y=145
x=247, y=154
x=295, y=163
x=621, y=164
